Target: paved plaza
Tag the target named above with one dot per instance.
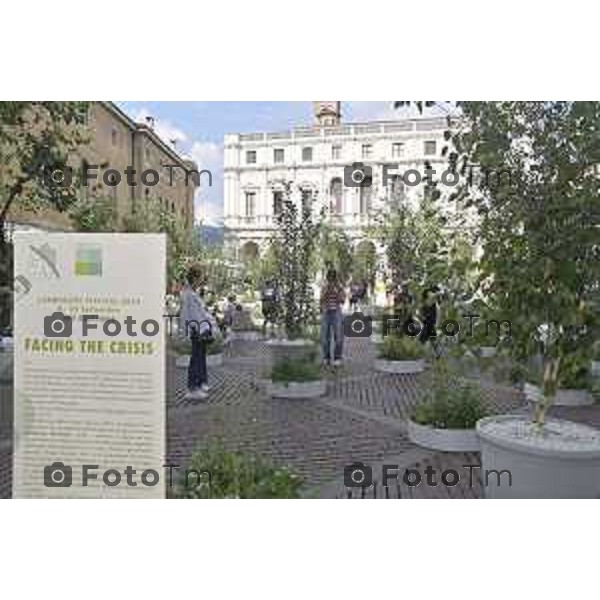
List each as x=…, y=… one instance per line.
x=361, y=419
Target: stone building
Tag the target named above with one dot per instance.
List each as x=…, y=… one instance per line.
x=116, y=142
x=320, y=161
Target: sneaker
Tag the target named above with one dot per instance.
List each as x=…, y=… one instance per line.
x=205, y=387
x=325, y=362
x=337, y=362
x=195, y=395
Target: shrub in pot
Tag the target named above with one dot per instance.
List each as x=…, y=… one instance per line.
x=400, y=354
x=297, y=378
x=446, y=419
x=217, y=473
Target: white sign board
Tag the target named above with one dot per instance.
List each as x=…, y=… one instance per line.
x=89, y=366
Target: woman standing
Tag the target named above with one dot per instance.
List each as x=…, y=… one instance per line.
x=332, y=298
x=197, y=325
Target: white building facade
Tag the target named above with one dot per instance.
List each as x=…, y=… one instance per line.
x=318, y=160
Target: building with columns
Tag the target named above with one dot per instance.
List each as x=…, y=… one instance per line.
x=318, y=160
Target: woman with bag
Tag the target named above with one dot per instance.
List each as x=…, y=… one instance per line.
x=198, y=325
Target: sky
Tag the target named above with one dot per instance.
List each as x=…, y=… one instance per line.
x=199, y=127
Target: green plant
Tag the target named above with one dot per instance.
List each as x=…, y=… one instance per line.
x=295, y=247
x=452, y=404
x=223, y=474
x=575, y=373
x=399, y=347
x=296, y=370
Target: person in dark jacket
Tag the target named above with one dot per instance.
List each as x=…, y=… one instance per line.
x=429, y=312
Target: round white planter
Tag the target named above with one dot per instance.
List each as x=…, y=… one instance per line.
x=563, y=397
x=488, y=351
x=399, y=367
x=212, y=360
x=297, y=390
x=595, y=368
x=445, y=440
x=560, y=461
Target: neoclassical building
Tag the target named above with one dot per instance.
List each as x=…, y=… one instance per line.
x=318, y=160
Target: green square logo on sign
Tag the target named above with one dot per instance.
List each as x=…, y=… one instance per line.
x=88, y=261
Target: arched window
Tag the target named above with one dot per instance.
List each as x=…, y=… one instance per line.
x=336, y=191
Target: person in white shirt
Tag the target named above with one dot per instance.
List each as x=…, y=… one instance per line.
x=199, y=326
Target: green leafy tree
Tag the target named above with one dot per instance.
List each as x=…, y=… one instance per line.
x=94, y=215
x=539, y=228
x=35, y=137
x=335, y=250
x=299, y=229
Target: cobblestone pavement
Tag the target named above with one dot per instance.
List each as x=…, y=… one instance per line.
x=361, y=419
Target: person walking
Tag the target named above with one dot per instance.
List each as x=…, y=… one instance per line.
x=331, y=300
x=198, y=325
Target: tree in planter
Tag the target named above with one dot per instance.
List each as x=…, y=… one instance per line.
x=295, y=254
x=539, y=227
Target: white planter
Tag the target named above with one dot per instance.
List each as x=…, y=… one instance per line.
x=445, y=440
x=563, y=397
x=595, y=368
x=297, y=390
x=212, y=360
x=488, y=351
x=561, y=461
x=399, y=367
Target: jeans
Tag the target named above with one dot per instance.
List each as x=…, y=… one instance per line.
x=197, y=372
x=331, y=320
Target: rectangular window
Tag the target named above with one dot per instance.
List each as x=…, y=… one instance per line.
x=250, y=203
x=278, y=155
x=429, y=148
x=251, y=157
x=367, y=150
x=336, y=152
x=307, y=154
x=397, y=149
